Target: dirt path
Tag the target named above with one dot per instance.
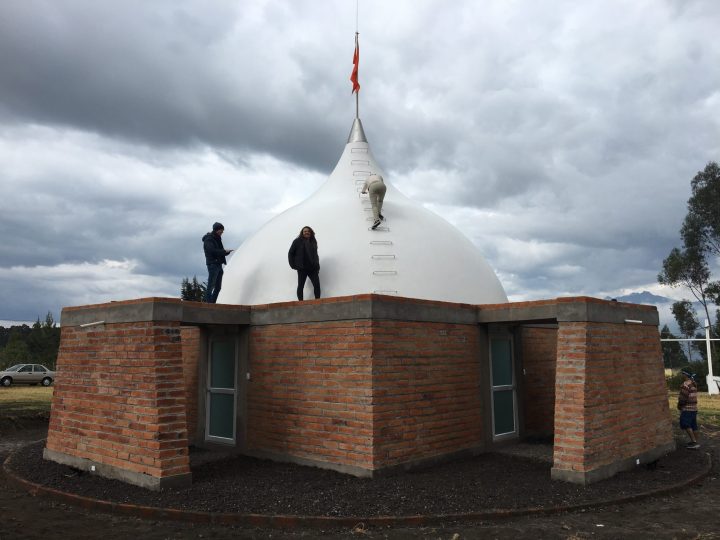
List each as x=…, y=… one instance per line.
x=693, y=513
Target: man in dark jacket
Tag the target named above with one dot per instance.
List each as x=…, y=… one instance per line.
x=214, y=258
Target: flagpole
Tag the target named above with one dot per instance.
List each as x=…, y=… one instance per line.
x=356, y=63
x=357, y=94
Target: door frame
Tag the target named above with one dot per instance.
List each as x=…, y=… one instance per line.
x=212, y=339
x=505, y=334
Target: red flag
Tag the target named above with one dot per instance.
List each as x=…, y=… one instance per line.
x=356, y=65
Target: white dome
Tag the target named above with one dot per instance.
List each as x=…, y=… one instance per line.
x=414, y=253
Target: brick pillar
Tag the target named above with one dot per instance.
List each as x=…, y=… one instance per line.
x=539, y=355
x=119, y=403
x=191, y=350
x=611, y=409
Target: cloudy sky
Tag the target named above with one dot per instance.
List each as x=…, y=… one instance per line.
x=560, y=136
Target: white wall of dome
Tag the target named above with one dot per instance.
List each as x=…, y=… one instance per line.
x=414, y=253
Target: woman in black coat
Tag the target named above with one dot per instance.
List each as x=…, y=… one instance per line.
x=303, y=257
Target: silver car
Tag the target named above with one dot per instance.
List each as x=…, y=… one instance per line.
x=27, y=374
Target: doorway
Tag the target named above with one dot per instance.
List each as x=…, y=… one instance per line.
x=503, y=388
x=222, y=390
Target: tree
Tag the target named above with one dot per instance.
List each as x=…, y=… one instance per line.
x=673, y=355
x=15, y=352
x=700, y=234
x=44, y=341
x=192, y=290
x=38, y=344
x=687, y=321
x=687, y=268
x=704, y=205
x=6, y=333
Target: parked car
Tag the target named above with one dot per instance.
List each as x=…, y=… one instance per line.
x=27, y=374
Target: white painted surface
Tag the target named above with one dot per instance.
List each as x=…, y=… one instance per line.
x=421, y=255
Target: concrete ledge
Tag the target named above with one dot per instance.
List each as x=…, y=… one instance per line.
x=109, y=471
x=611, y=469
x=586, y=309
x=571, y=309
x=407, y=309
x=543, y=311
x=363, y=307
x=155, y=309
x=331, y=309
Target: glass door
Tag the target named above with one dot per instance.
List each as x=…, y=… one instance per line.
x=502, y=376
x=221, y=403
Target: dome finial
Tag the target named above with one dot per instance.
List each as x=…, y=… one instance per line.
x=357, y=133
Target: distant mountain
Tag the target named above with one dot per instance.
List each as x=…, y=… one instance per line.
x=644, y=297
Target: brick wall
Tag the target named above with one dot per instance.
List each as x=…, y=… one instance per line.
x=366, y=394
x=190, y=336
x=611, y=395
x=310, y=392
x=119, y=399
x=539, y=351
x=359, y=391
x=426, y=390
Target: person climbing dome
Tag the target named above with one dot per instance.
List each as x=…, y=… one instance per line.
x=376, y=188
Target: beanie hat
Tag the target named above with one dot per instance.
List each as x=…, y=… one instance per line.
x=217, y=226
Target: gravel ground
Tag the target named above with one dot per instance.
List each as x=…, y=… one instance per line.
x=247, y=485
x=687, y=514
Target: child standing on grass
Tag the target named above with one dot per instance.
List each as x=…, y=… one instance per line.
x=687, y=405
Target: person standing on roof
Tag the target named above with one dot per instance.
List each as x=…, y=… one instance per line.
x=215, y=254
x=303, y=257
x=375, y=187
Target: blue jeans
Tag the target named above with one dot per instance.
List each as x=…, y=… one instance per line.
x=214, y=283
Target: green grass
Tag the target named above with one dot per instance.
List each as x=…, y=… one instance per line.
x=25, y=401
x=708, y=408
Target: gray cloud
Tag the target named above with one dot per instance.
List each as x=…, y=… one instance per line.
x=559, y=136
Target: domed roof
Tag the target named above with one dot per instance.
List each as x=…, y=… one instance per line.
x=414, y=253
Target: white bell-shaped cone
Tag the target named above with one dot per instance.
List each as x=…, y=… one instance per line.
x=414, y=253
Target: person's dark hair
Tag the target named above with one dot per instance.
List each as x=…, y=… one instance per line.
x=217, y=226
x=312, y=233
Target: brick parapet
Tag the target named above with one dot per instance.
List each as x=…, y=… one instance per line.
x=119, y=399
x=190, y=338
x=611, y=401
